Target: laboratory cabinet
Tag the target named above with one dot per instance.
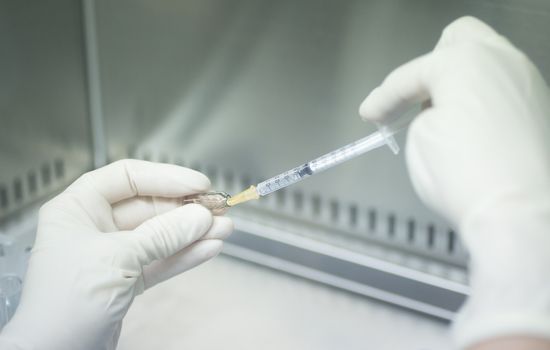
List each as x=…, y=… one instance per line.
x=242, y=90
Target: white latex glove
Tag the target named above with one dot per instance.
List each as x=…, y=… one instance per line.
x=100, y=243
x=479, y=154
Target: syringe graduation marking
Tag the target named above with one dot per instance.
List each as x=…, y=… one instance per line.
x=305, y=170
x=321, y=163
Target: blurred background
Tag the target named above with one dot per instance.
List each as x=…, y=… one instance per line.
x=242, y=90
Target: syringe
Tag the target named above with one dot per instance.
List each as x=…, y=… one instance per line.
x=384, y=136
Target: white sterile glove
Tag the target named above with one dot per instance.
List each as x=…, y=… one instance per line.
x=479, y=154
x=113, y=233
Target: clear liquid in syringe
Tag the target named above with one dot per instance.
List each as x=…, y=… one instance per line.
x=283, y=180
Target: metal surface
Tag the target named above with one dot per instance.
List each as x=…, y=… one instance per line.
x=228, y=304
x=188, y=77
x=94, y=84
x=44, y=125
x=342, y=268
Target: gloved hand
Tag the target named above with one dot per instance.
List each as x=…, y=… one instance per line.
x=113, y=233
x=479, y=154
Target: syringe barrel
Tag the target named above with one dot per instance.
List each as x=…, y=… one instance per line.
x=347, y=152
x=324, y=162
x=283, y=180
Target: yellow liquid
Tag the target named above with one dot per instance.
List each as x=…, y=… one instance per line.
x=244, y=196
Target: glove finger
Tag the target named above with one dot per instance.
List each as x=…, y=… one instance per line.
x=420, y=173
x=187, y=258
x=168, y=233
x=405, y=86
x=129, y=178
x=130, y=213
x=221, y=228
x=434, y=152
x=465, y=29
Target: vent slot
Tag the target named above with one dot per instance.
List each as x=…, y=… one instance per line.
x=411, y=227
x=46, y=175
x=334, y=210
x=280, y=197
x=59, y=169
x=298, y=198
x=3, y=197
x=431, y=235
x=32, y=182
x=353, y=215
x=372, y=220
x=391, y=225
x=316, y=204
x=18, y=190
x=451, y=241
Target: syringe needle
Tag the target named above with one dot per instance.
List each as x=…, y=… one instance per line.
x=244, y=196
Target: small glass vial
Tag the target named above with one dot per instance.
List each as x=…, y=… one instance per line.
x=215, y=201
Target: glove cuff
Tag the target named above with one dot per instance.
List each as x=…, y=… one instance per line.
x=509, y=244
